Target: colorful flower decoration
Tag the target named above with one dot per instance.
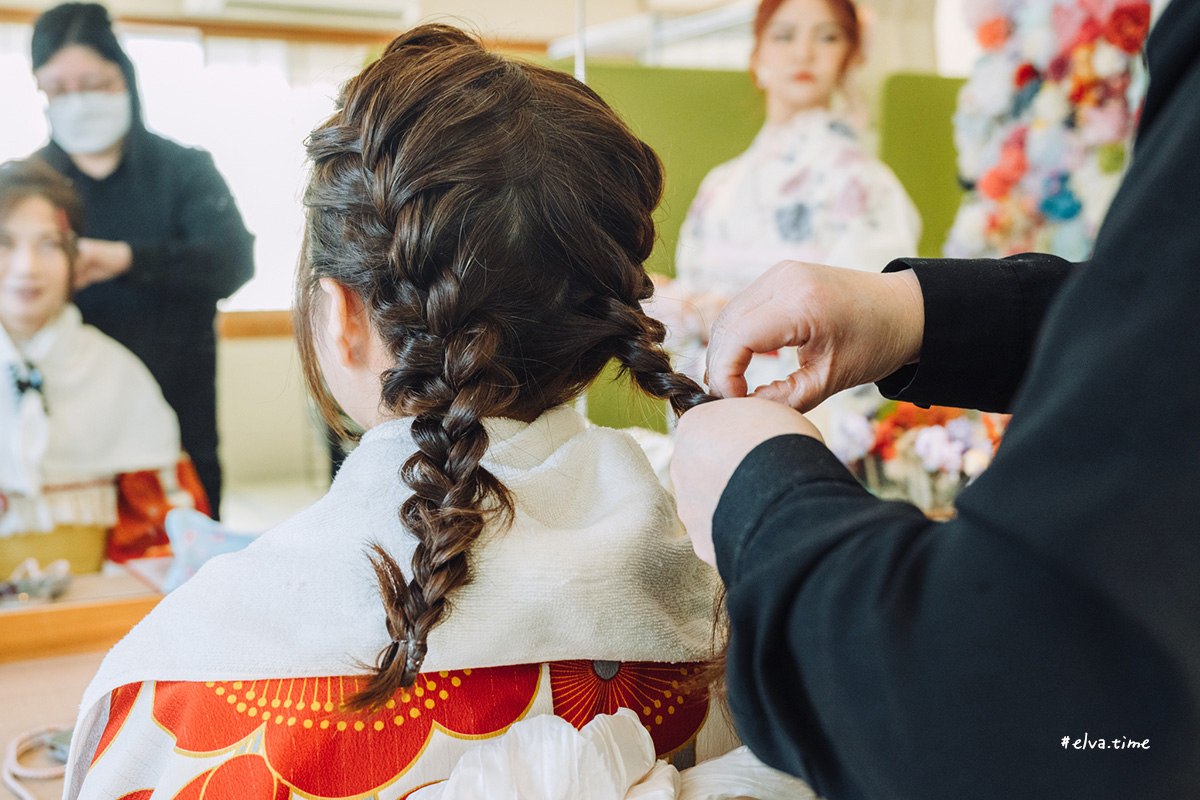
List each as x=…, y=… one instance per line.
x=924, y=455
x=1043, y=121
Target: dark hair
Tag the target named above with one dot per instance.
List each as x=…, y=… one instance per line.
x=32, y=177
x=844, y=11
x=494, y=217
x=86, y=24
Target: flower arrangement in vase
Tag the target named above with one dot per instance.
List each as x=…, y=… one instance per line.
x=1043, y=123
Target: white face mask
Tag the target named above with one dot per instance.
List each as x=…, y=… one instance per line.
x=89, y=122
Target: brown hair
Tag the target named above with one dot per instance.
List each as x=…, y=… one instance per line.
x=32, y=177
x=493, y=216
x=844, y=11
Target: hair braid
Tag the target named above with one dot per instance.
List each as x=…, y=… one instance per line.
x=493, y=216
x=639, y=350
x=448, y=507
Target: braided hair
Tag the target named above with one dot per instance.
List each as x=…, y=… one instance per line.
x=494, y=217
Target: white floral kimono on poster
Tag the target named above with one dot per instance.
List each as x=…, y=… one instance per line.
x=592, y=601
x=805, y=190
x=76, y=410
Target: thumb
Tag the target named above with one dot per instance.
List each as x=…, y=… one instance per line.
x=736, y=341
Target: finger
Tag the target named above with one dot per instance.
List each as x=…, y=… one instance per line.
x=731, y=381
x=801, y=390
x=777, y=391
x=736, y=341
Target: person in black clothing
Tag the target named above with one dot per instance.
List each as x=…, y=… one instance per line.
x=878, y=654
x=163, y=238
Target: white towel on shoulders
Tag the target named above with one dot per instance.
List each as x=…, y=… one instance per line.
x=596, y=565
x=98, y=413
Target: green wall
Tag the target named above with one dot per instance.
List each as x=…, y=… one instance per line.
x=916, y=139
x=696, y=119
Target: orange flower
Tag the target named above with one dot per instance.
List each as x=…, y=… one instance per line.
x=994, y=33
x=994, y=425
x=308, y=740
x=247, y=777
x=903, y=417
x=997, y=182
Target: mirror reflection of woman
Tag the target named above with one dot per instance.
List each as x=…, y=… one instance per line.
x=162, y=239
x=81, y=418
x=805, y=190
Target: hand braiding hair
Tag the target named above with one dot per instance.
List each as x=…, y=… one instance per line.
x=493, y=216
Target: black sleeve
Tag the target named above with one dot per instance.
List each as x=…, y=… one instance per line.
x=877, y=654
x=982, y=318
x=882, y=655
x=211, y=254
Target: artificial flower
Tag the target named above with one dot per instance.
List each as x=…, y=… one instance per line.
x=1061, y=206
x=1128, y=26
x=1110, y=158
x=851, y=437
x=993, y=33
x=1037, y=42
x=938, y=451
x=975, y=461
x=1043, y=122
x=1109, y=61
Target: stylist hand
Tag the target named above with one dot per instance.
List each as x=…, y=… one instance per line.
x=101, y=260
x=710, y=442
x=851, y=328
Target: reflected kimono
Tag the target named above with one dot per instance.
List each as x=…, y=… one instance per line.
x=87, y=442
x=805, y=190
x=591, y=601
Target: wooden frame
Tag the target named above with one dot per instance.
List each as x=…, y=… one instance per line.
x=60, y=629
x=264, y=30
x=254, y=324
x=93, y=616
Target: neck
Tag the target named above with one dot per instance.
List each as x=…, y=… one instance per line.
x=780, y=114
x=19, y=334
x=102, y=164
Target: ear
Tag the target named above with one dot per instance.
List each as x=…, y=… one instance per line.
x=346, y=323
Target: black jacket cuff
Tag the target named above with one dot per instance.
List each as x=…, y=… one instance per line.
x=774, y=468
x=973, y=330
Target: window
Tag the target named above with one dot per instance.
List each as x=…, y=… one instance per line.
x=249, y=102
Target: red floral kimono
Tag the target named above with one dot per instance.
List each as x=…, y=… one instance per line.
x=245, y=740
x=590, y=601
